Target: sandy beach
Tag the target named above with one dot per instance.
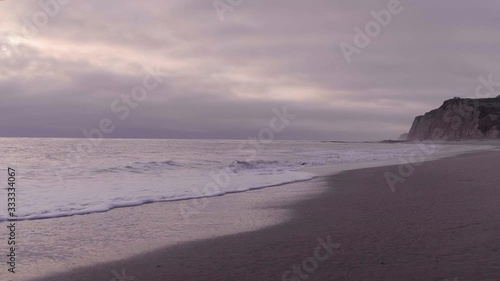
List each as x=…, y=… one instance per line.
x=233, y=140
x=442, y=223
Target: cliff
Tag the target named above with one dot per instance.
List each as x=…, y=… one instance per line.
x=403, y=137
x=459, y=119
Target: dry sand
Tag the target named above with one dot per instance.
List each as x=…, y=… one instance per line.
x=442, y=223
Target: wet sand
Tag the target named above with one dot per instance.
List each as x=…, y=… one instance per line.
x=442, y=223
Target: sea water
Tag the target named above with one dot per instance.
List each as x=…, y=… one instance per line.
x=63, y=177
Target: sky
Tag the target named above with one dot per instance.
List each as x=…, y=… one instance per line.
x=219, y=70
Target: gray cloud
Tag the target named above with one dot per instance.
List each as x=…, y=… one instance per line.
x=223, y=78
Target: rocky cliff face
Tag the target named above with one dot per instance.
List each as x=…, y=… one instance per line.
x=459, y=119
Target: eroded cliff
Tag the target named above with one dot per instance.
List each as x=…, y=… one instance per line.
x=459, y=119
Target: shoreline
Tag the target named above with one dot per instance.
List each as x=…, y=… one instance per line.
x=319, y=171
x=314, y=171
x=377, y=231
x=60, y=244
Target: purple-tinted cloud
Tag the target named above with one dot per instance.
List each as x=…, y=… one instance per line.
x=221, y=79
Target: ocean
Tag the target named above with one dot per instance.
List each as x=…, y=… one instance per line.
x=64, y=177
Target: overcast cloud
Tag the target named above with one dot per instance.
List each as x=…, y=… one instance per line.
x=221, y=79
